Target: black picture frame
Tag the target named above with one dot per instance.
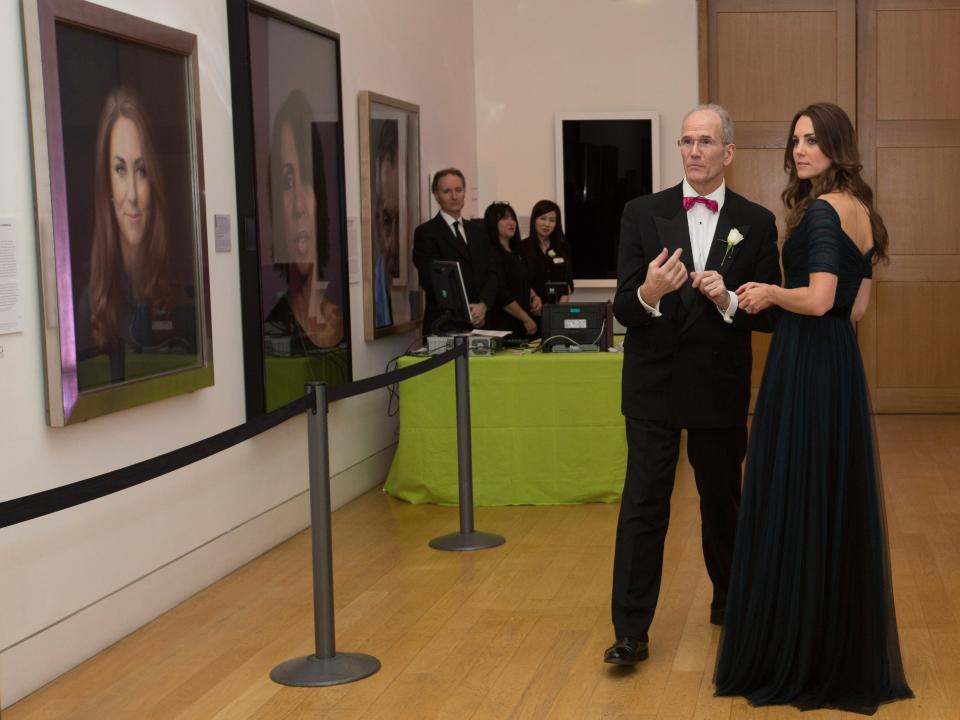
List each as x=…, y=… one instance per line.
x=283, y=68
x=603, y=160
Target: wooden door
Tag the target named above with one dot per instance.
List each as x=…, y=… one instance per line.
x=763, y=60
x=909, y=126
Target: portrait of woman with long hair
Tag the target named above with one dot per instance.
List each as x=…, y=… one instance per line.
x=133, y=303
x=300, y=231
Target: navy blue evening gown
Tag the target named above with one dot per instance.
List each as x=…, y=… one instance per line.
x=810, y=618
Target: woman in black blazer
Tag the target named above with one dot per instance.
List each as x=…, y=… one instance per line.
x=548, y=252
x=517, y=304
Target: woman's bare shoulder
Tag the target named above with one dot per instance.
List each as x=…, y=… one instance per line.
x=854, y=217
x=841, y=201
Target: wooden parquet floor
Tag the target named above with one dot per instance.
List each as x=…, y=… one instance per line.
x=513, y=632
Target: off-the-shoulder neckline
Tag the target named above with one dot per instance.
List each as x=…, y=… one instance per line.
x=861, y=253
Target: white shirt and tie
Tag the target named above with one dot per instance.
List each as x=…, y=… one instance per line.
x=702, y=224
x=455, y=225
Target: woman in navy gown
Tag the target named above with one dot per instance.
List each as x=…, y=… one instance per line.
x=810, y=619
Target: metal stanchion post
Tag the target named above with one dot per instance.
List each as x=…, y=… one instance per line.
x=326, y=666
x=467, y=538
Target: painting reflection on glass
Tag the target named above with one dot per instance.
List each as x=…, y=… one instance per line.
x=304, y=314
x=390, y=207
x=300, y=224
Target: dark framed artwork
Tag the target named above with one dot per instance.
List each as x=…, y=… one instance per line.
x=603, y=160
x=288, y=135
x=390, y=210
x=118, y=174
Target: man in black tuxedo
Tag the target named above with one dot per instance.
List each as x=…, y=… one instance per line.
x=686, y=365
x=448, y=237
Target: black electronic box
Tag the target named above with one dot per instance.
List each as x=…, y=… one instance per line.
x=577, y=327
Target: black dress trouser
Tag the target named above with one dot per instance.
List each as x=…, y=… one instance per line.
x=653, y=447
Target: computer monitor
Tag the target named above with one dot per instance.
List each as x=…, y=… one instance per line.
x=577, y=326
x=451, y=295
x=554, y=291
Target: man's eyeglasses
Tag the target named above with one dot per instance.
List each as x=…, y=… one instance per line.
x=706, y=143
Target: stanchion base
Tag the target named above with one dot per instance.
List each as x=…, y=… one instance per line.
x=313, y=671
x=461, y=541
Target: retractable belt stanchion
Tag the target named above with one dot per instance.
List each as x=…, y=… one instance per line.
x=326, y=666
x=467, y=538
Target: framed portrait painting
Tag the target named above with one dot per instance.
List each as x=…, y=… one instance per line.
x=288, y=135
x=390, y=210
x=118, y=174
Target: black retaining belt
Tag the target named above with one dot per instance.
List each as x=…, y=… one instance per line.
x=29, y=507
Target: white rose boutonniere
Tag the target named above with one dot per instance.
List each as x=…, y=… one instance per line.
x=734, y=238
x=551, y=253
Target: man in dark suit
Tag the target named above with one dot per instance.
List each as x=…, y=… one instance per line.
x=448, y=237
x=686, y=365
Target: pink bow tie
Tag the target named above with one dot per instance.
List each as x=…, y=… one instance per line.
x=689, y=202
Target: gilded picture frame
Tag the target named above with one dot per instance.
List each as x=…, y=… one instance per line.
x=389, y=131
x=120, y=215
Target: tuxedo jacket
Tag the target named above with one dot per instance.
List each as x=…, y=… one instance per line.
x=434, y=240
x=689, y=367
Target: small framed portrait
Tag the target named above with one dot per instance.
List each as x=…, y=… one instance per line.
x=390, y=210
x=115, y=122
x=288, y=134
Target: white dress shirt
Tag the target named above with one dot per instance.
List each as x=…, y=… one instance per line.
x=450, y=220
x=702, y=226
x=702, y=223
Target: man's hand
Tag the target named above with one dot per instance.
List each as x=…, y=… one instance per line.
x=530, y=326
x=664, y=275
x=710, y=283
x=536, y=304
x=478, y=314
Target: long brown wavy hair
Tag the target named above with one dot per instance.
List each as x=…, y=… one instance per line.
x=108, y=285
x=837, y=140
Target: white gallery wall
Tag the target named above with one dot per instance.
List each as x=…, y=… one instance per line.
x=489, y=76
x=535, y=58
x=76, y=581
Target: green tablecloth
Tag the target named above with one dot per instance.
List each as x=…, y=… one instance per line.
x=546, y=429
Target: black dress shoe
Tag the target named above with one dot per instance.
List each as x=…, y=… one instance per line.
x=626, y=651
x=716, y=616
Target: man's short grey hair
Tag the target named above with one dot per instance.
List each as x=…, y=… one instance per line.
x=726, y=123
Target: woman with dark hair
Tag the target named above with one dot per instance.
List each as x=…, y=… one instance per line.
x=548, y=252
x=300, y=231
x=810, y=617
x=133, y=302
x=516, y=300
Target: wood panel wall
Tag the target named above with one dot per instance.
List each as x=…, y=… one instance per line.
x=893, y=66
x=909, y=126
